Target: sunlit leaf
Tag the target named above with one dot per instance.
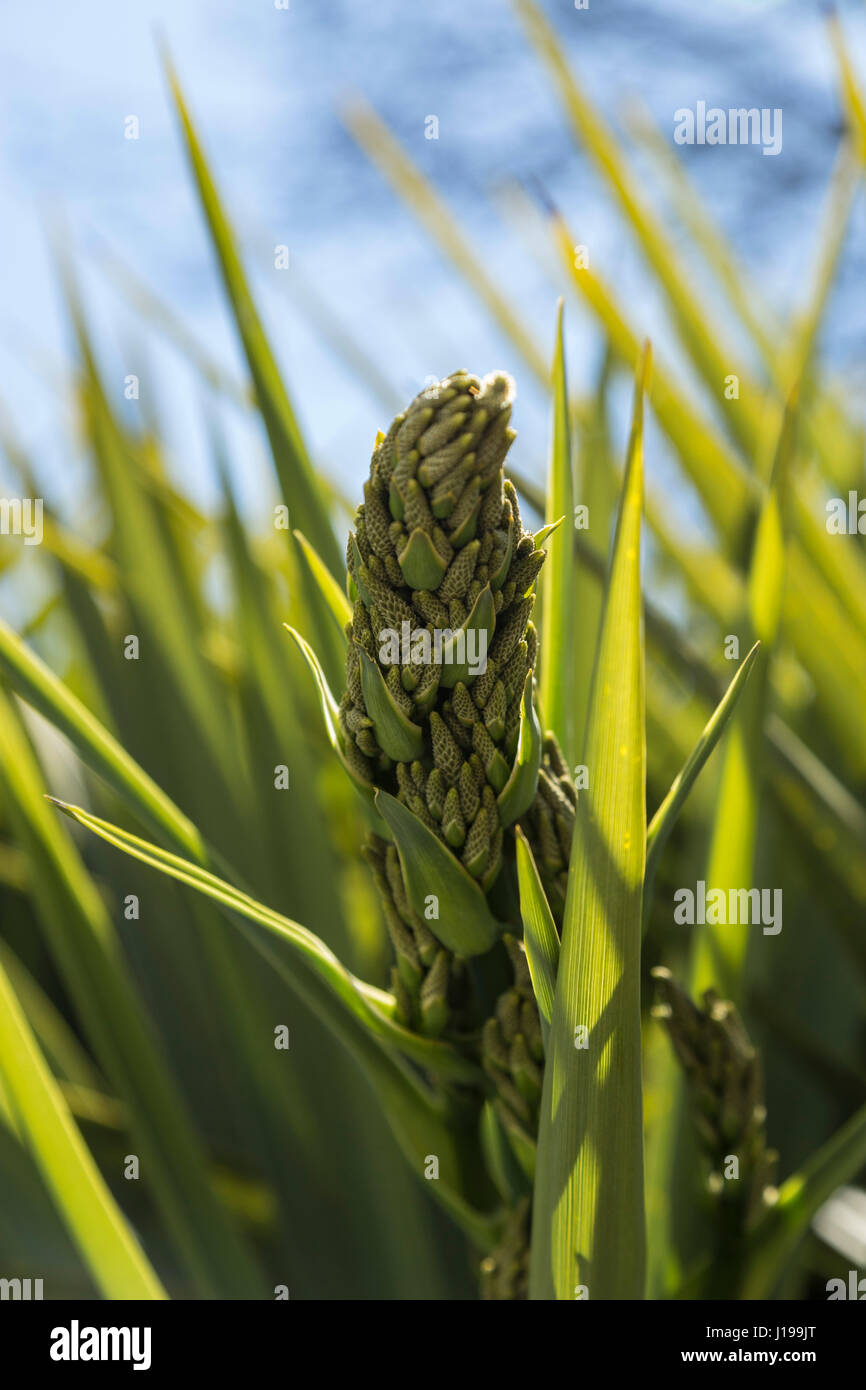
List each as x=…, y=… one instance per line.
x=556, y=681
x=539, y=933
x=107, y=1242
x=590, y=1132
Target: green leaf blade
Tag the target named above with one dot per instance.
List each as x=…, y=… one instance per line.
x=516, y=796
x=331, y=591
x=539, y=934
x=665, y=817
x=83, y=941
x=292, y=462
x=42, y=1118
x=720, y=950
x=39, y=686
x=588, y=1222
x=556, y=684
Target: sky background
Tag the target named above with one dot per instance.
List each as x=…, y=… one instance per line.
x=266, y=87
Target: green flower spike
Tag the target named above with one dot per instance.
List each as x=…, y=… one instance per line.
x=441, y=645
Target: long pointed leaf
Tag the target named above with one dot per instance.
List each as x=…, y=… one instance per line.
x=539, y=933
x=837, y=1162
x=719, y=950
x=588, y=1216
x=556, y=683
x=83, y=941
x=370, y=1006
x=665, y=817
x=292, y=462
x=39, y=686
x=94, y=1220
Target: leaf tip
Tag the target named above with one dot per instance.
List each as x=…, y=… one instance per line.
x=645, y=367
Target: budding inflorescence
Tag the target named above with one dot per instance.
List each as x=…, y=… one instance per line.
x=439, y=547
x=439, y=713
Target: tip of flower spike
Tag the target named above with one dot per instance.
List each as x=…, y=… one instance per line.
x=498, y=388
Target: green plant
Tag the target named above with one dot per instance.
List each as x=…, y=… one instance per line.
x=518, y=885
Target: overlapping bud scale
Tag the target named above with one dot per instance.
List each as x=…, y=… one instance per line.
x=549, y=824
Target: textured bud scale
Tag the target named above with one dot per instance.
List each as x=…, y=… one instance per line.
x=512, y=1050
x=549, y=825
x=505, y=1271
x=428, y=982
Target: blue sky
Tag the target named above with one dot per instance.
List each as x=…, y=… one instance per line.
x=266, y=87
